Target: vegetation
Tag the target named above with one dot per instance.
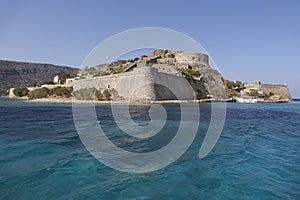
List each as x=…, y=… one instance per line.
x=31, y=73
x=232, y=93
x=94, y=94
x=20, y=92
x=189, y=72
x=45, y=92
x=253, y=94
x=48, y=83
x=85, y=94
x=107, y=94
x=117, y=70
x=238, y=84
x=61, y=91
x=39, y=93
x=72, y=74
x=99, y=95
x=6, y=93
x=104, y=95
x=230, y=84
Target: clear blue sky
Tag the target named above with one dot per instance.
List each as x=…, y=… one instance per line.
x=248, y=40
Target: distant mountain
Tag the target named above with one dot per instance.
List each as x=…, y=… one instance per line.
x=21, y=74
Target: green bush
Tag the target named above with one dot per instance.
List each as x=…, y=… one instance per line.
x=232, y=93
x=238, y=84
x=39, y=93
x=107, y=94
x=229, y=84
x=253, y=94
x=70, y=89
x=85, y=94
x=99, y=96
x=189, y=72
x=72, y=74
x=6, y=93
x=20, y=92
x=117, y=70
x=60, y=91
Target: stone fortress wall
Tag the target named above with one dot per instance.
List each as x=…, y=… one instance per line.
x=158, y=77
x=190, y=58
x=143, y=83
x=282, y=91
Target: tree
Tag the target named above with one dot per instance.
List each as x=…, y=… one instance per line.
x=229, y=84
x=39, y=93
x=60, y=91
x=85, y=94
x=253, y=93
x=99, y=95
x=20, y=92
x=107, y=94
x=238, y=84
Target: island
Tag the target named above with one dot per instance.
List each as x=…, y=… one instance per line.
x=162, y=76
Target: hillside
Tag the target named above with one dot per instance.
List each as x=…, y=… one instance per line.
x=21, y=74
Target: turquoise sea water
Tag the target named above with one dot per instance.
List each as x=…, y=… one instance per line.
x=256, y=157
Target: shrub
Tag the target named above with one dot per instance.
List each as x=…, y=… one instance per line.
x=229, y=84
x=117, y=70
x=72, y=74
x=253, y=94
x=20, y=92
x=85, y=94
x=39, y=93
x=6, y=93
x=60, y=91
x=232, y=93
x=99, y=96
x=189, y=72
x=70, y=89
x=107, y=94
x=238, y=84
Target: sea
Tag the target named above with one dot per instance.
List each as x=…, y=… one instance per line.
x=257, y=155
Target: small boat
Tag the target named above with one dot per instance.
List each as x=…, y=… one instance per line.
x=246, y=100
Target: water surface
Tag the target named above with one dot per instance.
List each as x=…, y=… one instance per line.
x=256, y=157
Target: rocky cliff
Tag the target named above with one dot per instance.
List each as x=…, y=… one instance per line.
x=25, y=74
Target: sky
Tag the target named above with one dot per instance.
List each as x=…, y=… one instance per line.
x=248, y=40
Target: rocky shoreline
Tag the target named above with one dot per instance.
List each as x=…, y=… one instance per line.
x=125, y=102
x=74, y=101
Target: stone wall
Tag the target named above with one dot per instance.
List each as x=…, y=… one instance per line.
x=144, y=83
x=189, y=58
x=281, y=90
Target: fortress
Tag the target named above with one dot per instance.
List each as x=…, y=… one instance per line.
x=164, y=75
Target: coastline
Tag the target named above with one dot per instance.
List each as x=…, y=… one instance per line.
x=124, y=102
x=73, y=101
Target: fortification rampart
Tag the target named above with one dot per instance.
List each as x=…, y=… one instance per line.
x=143, y=83
x=281, y=90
